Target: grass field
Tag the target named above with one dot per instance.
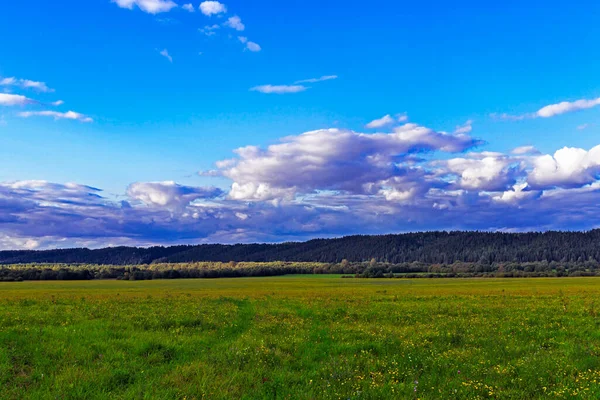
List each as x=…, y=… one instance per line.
x=301, y=338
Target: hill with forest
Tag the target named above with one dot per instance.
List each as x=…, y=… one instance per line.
x=424, y=247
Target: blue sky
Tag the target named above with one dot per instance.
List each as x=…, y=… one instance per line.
x=148, y=126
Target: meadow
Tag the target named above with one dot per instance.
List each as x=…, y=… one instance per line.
x=301, y=337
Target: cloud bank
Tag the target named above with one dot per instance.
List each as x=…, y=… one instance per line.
x=321, y=183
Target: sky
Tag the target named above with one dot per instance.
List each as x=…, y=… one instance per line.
x=159, y=122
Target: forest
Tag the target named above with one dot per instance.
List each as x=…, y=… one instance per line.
x=482, y=248
x=232, y=269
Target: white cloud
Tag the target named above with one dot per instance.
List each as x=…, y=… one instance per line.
x=569, y=167
x=57, y=115
x=518, y=193
x=335, y=159
x=253, y=47
x=26, y=84
x=40, y=86
x=397, y=195
x=315, y=80
x=8, y=81
x=259, y=192
x=430, y=139
x=57, y=103
x=467, y=127
x=209, y=8
x=149, y=6
x=484, y=171
x=7, y=99
x=583, y=127
x=11, y=243
x=165, y=54
x=278, y=89
x=386, y=120
x=188, y=7
x=381, y=122
x=320, y=183
x=243, y=39
x=552, y=110
x=565, y=107
x=169, y=194
x=235, y=22
x=525, y=150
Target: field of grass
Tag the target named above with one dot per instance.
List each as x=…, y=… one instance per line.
x=301, y=338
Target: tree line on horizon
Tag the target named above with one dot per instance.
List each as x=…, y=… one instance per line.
x=482, y=248
x=232, y=269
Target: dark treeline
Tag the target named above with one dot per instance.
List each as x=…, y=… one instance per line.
x=482, y=248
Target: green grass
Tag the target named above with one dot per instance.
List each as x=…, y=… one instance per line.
x=301, y=338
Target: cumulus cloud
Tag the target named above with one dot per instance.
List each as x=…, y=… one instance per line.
x=57, y=115
x=148, y=6
x=169, y=194
x=567, y=168
x=485, y=171
x=43, y=214
x=321, y=183
x=71, y=214
x=279, y=89
x=26, y=84
x=38, y=214
x=327, y=182
x=422, y=138
x=209, y=8
x=334, y=159
x=315, y=80
x=517, y=194
x=235, y=22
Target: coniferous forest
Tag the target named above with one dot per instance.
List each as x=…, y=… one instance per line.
x=483, y=248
